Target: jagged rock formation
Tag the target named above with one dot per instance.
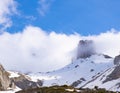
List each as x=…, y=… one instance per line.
x=24, y=82
x=4, y=79
x=85, y=49
x=116, y=72
x=114, y=75
x=117, y=60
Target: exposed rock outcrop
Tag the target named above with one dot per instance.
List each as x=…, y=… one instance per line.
x=85, y=49
x=24, y=82
x=114, y=75
x=76, y=83
x=107, y=56
x=117, y=60
x=4, y=79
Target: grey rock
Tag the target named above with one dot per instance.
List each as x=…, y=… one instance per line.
x=107, y=56
x=117, y=60
x=4, y=79
x=24, y=82
x=76, y=83
x=85, y=49
x=114, y=75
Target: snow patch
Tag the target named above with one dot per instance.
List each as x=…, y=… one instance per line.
x=13, y=74
x=36, y=77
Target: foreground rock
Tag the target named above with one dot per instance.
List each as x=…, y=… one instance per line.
x=4, y=79
x=24, y=82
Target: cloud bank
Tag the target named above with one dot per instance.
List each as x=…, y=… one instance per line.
x=34, y=50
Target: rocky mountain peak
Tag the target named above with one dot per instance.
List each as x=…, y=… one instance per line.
x=85, y=49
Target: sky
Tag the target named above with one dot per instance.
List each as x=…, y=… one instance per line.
x=44, y=34
x=85, y=17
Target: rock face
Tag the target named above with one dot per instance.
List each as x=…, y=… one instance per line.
x=117, y=60
x=85, y=49
x=114, y=75
x=76, y=83
x=116, y=72
x=4, y=79
x=24, y=82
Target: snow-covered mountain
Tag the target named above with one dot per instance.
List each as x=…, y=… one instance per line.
x=109, y=79
x=87, y=70
x=78, y=73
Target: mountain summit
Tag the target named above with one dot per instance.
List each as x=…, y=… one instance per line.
x=85, y=49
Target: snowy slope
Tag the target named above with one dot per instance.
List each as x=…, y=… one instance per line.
x=98, y=80
x=89, y=72
x=81, y=69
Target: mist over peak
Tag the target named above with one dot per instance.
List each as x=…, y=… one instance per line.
x=85, y=49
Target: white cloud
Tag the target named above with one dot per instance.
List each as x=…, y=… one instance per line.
x=108, y=43
x=35, y=50
x=7, y=8
x=44, y=6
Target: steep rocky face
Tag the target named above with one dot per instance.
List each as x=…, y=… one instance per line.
x=85, y=49
x=117, y=60
x=24, y=82
x=114, y=75
x=4, y=79
x=116, y=72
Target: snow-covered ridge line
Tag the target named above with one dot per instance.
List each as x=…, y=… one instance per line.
x=80, y=68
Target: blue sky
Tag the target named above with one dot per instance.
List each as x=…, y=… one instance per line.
x=86, y=17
